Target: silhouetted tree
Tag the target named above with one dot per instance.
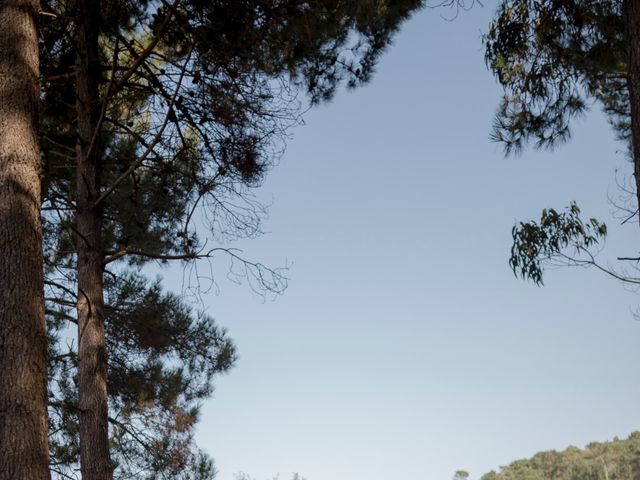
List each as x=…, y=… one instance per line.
x=553, y=58
x=158, y=120
x=162, y=357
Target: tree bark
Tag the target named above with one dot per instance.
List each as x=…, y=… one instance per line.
x=23, y=366
x=95, y=461
x=631, y=13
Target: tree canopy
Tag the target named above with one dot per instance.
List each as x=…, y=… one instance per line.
x=553, y=59
x=158, y=120
x=614, y=460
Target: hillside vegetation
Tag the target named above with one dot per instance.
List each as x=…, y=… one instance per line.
x=614, y=460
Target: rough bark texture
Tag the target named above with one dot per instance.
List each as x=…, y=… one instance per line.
x=95, y=461
x=631, y=12
x=23, y=366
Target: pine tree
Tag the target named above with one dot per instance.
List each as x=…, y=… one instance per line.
x=162, y=360
x=631, y=16
x=552, y=58
x=181, y=110
x=23, y=419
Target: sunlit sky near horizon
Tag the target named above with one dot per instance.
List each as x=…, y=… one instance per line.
x=404, y=347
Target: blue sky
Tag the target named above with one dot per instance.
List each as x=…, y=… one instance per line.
x=404, y=346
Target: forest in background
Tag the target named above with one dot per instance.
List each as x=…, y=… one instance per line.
x=618, y=459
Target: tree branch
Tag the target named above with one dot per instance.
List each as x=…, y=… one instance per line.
x=148, y=49
x=154, y=142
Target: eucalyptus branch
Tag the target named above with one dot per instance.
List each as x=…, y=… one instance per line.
x=591, y=262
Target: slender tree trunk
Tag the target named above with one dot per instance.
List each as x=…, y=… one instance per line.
x=23, y=366
x=631, y=13
x=95, y=461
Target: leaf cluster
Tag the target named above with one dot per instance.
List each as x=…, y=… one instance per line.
x=558, y=235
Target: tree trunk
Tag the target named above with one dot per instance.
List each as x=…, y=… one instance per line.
x=95, y=461
x=631, y=13
x=23, y=366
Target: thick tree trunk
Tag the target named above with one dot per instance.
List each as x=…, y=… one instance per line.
x=631, y=12
x=95, y=461
x=23, y=366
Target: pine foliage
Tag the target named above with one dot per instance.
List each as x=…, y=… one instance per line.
x=197, y=99
x=553, y=59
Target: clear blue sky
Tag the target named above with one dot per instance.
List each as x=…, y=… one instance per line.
x=404, y=347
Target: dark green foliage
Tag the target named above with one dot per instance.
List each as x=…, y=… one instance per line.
x=317, y=44
x=162, y=360
x=553, y=58
x=191, y=125
x=615, y=460
x=170, y=351
x=559, y=236
x=197, y=98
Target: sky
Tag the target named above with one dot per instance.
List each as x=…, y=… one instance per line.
x=404, y=347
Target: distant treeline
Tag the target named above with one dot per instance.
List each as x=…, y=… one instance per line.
x=614, y=460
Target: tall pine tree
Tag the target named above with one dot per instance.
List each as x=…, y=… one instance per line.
x=181, y=108
x=23, y=420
